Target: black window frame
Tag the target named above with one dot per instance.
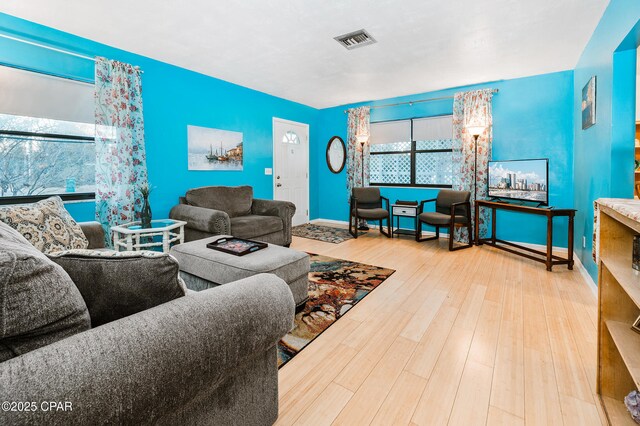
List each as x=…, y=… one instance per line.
x=413, y=151
x=25, y=199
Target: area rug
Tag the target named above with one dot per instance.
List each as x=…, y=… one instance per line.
x=327, y=234
x=335, y=286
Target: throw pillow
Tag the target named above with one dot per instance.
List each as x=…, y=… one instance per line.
x=118, y=284
x=47, y=225
x=39, y=304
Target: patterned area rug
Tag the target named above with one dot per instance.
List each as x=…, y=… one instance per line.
x=327, y=234
x=335, y=286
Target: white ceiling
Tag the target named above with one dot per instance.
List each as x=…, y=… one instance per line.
x=286, y=47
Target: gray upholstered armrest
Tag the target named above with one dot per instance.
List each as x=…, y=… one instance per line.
x=94, y=233
x=206, y=220
x=284, y=209
x=143, y=368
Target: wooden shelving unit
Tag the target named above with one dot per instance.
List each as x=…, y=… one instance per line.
x=618, y=307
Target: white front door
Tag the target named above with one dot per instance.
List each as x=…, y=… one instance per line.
x=291, y=166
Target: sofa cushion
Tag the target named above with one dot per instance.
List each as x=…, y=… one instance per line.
x=39, y=304
x=254, y=226
x=373, y=214
x=234, y=200
x=118, y=284
x=435, y=218
x=46, y=225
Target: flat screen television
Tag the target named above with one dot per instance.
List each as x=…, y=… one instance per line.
x=524, y=180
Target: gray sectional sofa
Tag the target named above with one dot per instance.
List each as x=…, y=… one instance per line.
x=232, y=210
x=207, y=358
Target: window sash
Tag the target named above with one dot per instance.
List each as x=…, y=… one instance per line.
x=46, y=138
x=413, y=151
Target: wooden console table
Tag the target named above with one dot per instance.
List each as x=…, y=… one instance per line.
x=548, y=258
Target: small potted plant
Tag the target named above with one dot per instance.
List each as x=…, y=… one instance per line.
x=145, y=214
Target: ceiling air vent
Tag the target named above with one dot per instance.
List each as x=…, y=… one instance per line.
x=355, y=39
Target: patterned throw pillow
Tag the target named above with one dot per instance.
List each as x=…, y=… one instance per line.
x=47, y=225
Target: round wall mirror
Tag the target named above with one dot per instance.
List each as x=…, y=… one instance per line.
x=336, y=154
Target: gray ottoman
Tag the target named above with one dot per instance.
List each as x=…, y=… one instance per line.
x=203, y=268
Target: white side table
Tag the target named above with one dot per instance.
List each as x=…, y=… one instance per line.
x=128, y=236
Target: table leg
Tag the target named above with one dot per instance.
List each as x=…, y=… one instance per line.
x=116, y=241
x=137, y=246
x=181, y=234
x=129, y=242
x=570, y=245
x=549, y=243
x=493, y=225
x=475, y=227
x=165, y=241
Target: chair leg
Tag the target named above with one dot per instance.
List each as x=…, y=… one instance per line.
x=452, y=248
x=353, y=230
x=419, y=234
x=386, y=234
x=452, y=231
x=470, y=231
x=389, y=227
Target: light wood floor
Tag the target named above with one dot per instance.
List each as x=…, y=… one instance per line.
x=472, y=337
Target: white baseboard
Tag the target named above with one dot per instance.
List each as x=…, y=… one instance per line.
x=337, y=222
x=585, y=275
x=577, y=263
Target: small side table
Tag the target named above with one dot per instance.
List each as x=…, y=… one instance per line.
x=403, y=210
x=129, y=235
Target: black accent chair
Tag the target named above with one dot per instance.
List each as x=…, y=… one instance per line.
x=366, y=203
x=453, y=209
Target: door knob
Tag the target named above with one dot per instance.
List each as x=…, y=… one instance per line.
x=278, y=184
x=277, y=177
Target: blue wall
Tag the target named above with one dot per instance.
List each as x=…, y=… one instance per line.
x=603, y=154
x=532, y=118
x=173, y=98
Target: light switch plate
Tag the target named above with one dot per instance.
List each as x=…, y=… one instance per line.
x=268, y=171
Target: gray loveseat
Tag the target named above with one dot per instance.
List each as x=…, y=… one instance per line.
x=207, y=358
x=232, y=210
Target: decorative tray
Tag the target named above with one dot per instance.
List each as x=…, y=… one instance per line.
x=236, y=246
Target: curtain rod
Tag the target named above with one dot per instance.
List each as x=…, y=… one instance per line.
x=414, y=102
x=55, y=49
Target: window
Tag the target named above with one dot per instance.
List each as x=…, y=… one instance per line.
x=291, y=137
x=47, y=137
x=415, y=152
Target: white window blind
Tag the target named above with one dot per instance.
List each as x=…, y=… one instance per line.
x=30, y=94
x=433, y=128
x=390, y=132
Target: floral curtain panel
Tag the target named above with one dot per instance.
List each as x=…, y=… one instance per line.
x=121, y=167
x=472, y=109
x=357, y=130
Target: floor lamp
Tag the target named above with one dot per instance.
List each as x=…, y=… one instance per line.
x=362, y=139
x=475, y=165
x=475, y=131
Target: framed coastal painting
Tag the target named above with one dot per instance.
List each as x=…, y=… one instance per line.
x=589, y=104
x=214, y=149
